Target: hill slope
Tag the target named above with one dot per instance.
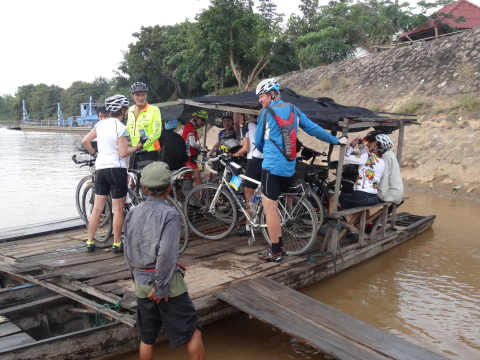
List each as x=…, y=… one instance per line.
x=439, y=81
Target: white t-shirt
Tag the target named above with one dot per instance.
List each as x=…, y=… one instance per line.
x=370, y=169
x=253, y=151
x=108, y=132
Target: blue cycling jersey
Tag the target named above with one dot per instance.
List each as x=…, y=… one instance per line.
x=274, y=161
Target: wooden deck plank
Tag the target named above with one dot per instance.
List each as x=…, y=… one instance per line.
x=15, y=340
x=329, y=330
x=8, y=328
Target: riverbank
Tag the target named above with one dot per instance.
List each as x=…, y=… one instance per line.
x=439, y=81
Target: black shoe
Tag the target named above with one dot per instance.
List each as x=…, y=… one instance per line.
x=117, y=249
x=269, y=255
x=90, y=247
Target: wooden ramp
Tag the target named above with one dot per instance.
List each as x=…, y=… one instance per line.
x=318, y=324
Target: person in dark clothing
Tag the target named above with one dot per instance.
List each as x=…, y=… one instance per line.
x=174, y=150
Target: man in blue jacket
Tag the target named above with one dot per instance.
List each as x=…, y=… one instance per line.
x=277, y=167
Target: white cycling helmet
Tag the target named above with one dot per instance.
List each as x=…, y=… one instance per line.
x=115, y=103
x=267, y=85
x=383, y=142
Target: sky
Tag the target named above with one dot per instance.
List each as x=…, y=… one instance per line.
x=57, y=42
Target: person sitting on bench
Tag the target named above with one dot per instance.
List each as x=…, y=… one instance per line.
x=390, y=188
x=371, y=166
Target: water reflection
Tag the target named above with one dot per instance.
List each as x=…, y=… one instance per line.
x=38, y=177
x=426, y=291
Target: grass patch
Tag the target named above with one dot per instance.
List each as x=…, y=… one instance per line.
x=469, y=103
x=325, y=85
x=413, y=107
x=466, y=73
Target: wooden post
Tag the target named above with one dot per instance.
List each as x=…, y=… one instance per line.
x=401, y=135
x=436, y=32
x=330, y=148
x=363, y=222
x=340, y=168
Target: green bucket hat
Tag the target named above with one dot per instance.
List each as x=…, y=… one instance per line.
x=155, y=174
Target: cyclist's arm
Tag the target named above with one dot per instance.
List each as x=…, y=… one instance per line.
x=314, y=129
x=87, y=141
x=123, y=149
x=214, y=147
x=357, y=159
x=156, y=128
x=245, y=147
x=260, y=132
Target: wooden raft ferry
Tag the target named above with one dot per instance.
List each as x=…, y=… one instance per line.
x=69, y=304
x=64, y=303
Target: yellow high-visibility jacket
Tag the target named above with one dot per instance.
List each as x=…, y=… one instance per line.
x=148, y=119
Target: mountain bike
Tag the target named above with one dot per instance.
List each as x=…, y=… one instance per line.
x=211, y=211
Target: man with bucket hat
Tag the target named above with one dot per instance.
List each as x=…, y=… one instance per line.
x=152, y=232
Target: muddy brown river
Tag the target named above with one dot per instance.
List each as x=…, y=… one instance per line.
x=426, y=291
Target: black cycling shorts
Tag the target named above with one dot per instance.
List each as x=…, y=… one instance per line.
x=273, y=185
x=254, y=171
x=111, y=181
x=177, y=317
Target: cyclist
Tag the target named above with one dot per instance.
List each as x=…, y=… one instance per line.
x=190, y=136
x=111, y=167
x=146, y=119
x=173, y=151
x=228, y=132
x=277, y=168
x=390, y=187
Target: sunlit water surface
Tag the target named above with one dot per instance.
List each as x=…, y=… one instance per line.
x=38, y=177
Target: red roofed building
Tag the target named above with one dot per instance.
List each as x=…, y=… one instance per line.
x=442, y=24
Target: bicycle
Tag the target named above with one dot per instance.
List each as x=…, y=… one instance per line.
x=88, y=179
x=217, y=204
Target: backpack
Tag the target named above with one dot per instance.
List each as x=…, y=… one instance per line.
x=174, y=150
x=289, y=135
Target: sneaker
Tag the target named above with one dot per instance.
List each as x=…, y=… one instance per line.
x=117, y=249
x=269, y=255
x=90, y=247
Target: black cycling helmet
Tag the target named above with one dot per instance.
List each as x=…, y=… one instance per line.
x=138, y=86
x=227, y=115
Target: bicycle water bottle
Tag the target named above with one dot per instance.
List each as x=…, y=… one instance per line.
x=254, y=203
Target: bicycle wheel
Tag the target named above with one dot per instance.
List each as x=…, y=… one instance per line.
x=182, y=245
x=317, y=205
x=298, y=223
x=213, y=225
x=78, y=195
x=105, y=224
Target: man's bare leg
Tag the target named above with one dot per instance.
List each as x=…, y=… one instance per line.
x=118, y=205
x=195, y=347
x=273, y=219
x=98, y=206
x=146, y=351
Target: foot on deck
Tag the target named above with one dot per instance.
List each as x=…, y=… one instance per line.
x=269, y=255
x=90, y=247
x=117, y=248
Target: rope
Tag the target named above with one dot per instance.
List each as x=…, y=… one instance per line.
x=100, y=319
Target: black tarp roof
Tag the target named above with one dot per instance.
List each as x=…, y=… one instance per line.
x=323, y=111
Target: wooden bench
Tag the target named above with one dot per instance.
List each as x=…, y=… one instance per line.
x=383, y=220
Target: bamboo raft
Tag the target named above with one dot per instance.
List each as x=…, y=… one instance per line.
x=64, y=303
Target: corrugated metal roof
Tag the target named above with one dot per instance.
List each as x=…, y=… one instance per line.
x=469, y=11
